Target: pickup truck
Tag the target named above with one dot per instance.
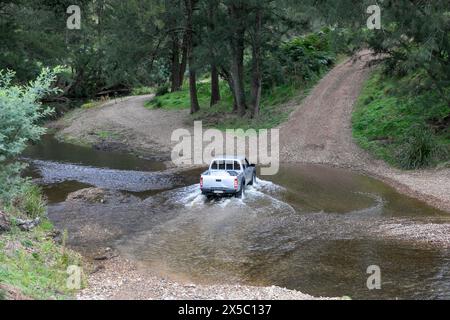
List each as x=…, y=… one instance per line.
x=228, y=176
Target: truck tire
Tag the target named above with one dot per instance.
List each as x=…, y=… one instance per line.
x=241, y=192
x=253, y=180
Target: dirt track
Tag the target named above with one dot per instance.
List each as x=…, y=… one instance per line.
x=137, y=127
x=319, y=131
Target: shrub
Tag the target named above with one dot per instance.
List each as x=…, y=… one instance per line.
x=20, y=114
x=139, y=91
x=306, y=57
x=162, y=90
x=419, y=149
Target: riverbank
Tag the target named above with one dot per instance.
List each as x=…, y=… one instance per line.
x=122, y=279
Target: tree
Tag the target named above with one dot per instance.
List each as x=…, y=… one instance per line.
x=21, y=113
x=213, y=7
x=237, y=13
x=190, y=7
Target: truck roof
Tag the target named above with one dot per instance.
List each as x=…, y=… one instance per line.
x=230, y=158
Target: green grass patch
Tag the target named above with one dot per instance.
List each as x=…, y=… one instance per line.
x=105, y=134
x=91, y=104
x=32, y=261
x=400, y=127
x=139, y=91
x=35, y=264
x=181, y=99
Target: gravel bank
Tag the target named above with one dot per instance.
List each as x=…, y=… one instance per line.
x=120, y=279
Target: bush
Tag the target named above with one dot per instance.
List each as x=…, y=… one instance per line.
x=29, y=201
x=407, y=129
x=162, y=90
x=139, y=91
x=420, y=149
x=20, y=114
x=304, y=58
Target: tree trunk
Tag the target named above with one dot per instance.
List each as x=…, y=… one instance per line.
x=215, y=88
x=195, y=107
x=237, y=60
x=237, y=70
x=212, y=20
x=184, y=58
x=225, y=74
x=175, y=69
x=190, y=4
x=256, y=66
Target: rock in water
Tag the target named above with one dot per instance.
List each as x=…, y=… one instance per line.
x=90, y=195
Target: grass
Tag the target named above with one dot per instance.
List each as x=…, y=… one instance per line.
x=33, y=262
x=139, y=91
x=91, y=104
x=276, y=105
x=398, y=127
x=181, y=100
x=105, y=134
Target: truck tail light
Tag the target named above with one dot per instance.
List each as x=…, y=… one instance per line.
x=201, y=182
x=236, y=184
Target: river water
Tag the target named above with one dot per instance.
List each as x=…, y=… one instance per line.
x=311, y=228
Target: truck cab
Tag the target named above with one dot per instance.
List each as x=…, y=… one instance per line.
x=227, y=175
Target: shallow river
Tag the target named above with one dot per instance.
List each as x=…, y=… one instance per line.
x=310, y=228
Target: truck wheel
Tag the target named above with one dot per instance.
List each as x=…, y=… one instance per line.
x=242, y=191
x=253, y=180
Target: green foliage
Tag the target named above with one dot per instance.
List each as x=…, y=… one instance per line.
x=20, y=114
x=419, y=148
x=162, y=90
x=139, y=91
x=289, y=73
x=276, y=105
x=305, y=58
x=27, y=201
x=181, y=99
x=35, y=264
x=32, y=261
x=398, y=126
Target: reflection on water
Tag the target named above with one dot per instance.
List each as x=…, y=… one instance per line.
x=50, y=149
x=311, y=228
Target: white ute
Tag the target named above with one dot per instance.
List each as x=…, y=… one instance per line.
x=228, y=176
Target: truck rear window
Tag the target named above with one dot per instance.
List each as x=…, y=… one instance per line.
x=226, y=165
